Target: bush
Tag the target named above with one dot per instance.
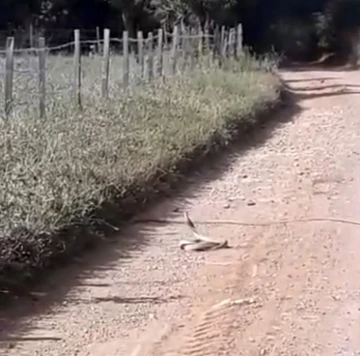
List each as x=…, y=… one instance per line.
x=61, y=172
x=293, y=38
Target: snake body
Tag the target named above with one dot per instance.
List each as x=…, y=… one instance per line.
x=200, y=242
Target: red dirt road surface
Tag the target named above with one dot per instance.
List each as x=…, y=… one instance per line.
x=283, y=289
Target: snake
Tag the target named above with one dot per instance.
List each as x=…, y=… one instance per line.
x=200, y=242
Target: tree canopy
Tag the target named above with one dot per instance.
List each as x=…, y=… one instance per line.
x=292, y=26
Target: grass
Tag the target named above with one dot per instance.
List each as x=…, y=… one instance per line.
x=62, y=171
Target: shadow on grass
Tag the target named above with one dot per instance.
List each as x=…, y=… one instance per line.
x=129, y=244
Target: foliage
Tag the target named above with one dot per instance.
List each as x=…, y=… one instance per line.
x=322, y=22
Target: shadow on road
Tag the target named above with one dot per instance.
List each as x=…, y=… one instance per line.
x=311, y=91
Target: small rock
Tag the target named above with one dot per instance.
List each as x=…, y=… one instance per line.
x=251, y=203
x=226, y=206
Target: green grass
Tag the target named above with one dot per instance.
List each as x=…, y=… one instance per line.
x=57, y=172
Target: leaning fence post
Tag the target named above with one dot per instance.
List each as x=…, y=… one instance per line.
x=42, y=77
x=9, y=75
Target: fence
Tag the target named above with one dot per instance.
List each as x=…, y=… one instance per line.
x=159, y=55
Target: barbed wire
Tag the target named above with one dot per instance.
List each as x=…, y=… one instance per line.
x=60, y=81
x=101, y=42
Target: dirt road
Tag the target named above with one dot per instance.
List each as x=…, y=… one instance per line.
x=297, y=286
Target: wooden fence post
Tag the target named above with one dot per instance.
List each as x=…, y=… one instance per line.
x=233, y=42
x=173, y=54
x=98, y=40
x=9, y=75
x=239, y=40
x=183, y=47
x=159, y=71
x=126, y=59
x=106, y=64
x=192, y=48
x=223, y=46
x=140, y=43
x=200, y=43
x=31, y=36
x=42, y=77
x=207, y=41
x=229, y=46
x=216, y=45
x=77, y=67
x=165, y=36
x=150, y=56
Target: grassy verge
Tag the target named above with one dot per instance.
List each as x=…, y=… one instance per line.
x=64, y=179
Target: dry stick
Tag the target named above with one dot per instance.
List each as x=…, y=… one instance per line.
x=106, y=64
x=173, y=55
x=126, y=58
x=140, y=42
x=77, y=67
x=241, y=223
x=42, y=77
x=9, y=76
x=159, y=72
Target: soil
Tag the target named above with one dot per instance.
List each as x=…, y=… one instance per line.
x=283, y=289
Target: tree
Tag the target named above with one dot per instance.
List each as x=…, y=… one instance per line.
x=131, y=12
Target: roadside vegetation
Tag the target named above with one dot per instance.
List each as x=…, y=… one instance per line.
x=70, y=178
